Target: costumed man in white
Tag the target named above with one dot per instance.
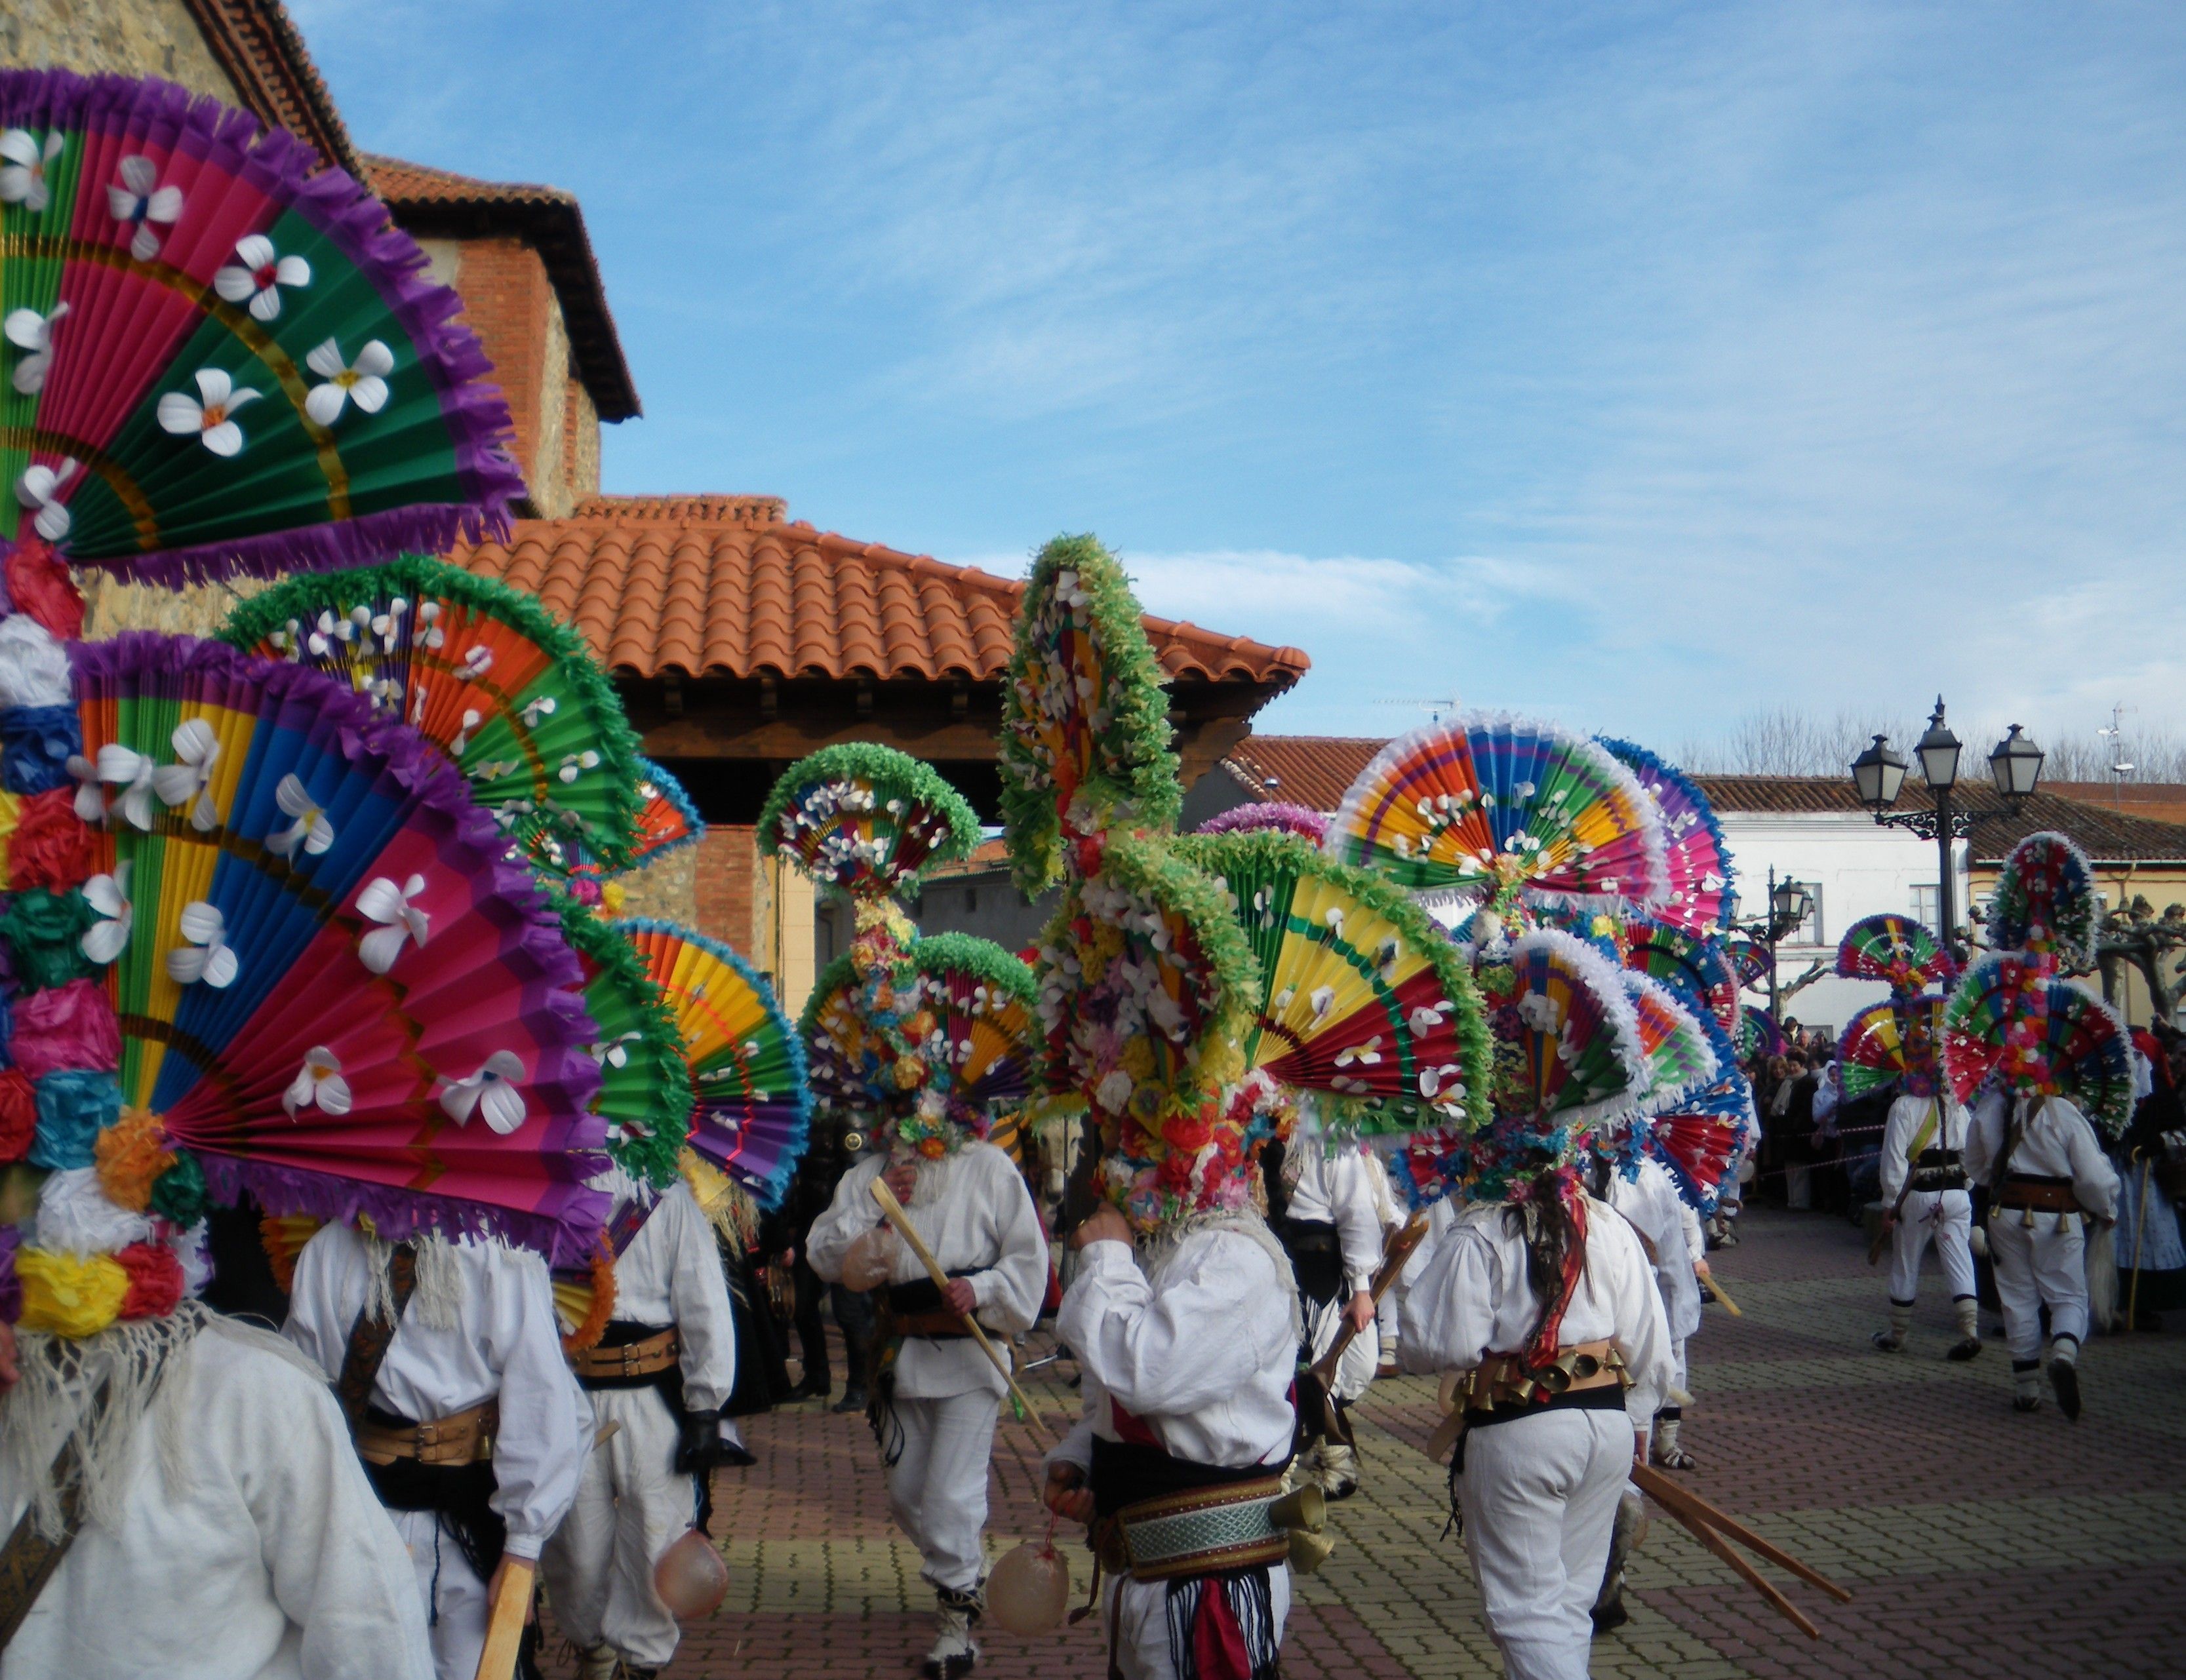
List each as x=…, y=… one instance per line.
x=935, y=1399
x=2044, y=1169
x=1925, y=1199
x=1332, y=1232
x=472, y=1428
x=225, y=1531
x=659, y=1374
x=1539, y=1476
x=1188, y=1350
x=1392, y=1221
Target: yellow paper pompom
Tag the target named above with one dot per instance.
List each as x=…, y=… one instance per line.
x=612, y=897
x=131, y=1154
x=68, y=1297
x=10, y=808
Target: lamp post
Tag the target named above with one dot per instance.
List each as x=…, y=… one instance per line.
x=1790, y=903
x=2014, y=767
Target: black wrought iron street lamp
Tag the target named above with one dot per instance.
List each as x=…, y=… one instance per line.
x=2014, y=767
x=1789, y=905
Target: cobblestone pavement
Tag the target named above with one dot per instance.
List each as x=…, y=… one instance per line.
x=1968, y=1534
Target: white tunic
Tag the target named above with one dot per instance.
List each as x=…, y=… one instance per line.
x=1652, y=1204
x=2056, y=1142
x=504, y=1342
x=1472, y=1299
x=671, y=1274
x=1908, y=1115
x=268, y=1559
x=1335, y=1188
x=972, y=1209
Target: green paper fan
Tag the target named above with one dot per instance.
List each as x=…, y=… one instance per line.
x=866, y=819
x=644, y=1082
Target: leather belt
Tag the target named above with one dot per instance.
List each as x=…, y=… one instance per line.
x=655, y=1352
x=1503, y=1379
x=2038, y=1195
x=934, y=1326
x=1199, y=1531
x=460, y=1438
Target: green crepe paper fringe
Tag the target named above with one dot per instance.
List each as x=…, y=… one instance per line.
x=1136, y=779
x=1270, y=851
x=650, y=1159
x=894, y=774
x=989, y=964
x=420, y=575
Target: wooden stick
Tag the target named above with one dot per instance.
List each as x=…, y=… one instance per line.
x=893, y=1210
x=1752, y=1577
x=1720, y=1294
x=1673, y=1499
x=504, y=1630
x=1394, y=1253
x=2139, y=1226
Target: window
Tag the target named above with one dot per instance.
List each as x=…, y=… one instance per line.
x=1809, y=932
x=1926, y=907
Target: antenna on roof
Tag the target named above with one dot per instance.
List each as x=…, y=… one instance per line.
x=1433, y=709
x=2121, y=766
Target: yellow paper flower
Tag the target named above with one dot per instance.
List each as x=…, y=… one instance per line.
x=68, y=1297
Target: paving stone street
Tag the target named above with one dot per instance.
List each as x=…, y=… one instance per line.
x=1968, y=1534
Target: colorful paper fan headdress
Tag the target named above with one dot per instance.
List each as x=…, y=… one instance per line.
x=1700, y=1138
x=753, y=1103
x=2042, y=1036
x=866, y=820
x=1308, y=825
x=1086, y=731
x=1680, y=1049
x=1500, y=811
x=1685, y=963
x=221, y=357
x=2045, y=903
x=1896, y=950
x=1749, y=961
x=1897, y=1042
x=646, y=1095
x=667, y=819
x=1759, y=1037
x=1361, y=996
x=505, y=690
x=1701, y=877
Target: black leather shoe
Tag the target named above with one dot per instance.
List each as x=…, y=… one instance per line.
x=852, y=1400
x=2065, y=1378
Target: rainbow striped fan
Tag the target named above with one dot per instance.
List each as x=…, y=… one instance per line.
x=667, y=820
x=1698, y=1141
x=1896, y=950
x=1891, y=1043
x=866, y=819
x=2045, y=902
x=747, y=1063
x=1701, y=877
x=1568, y=1053
x=219, y=360
x=985, y=1044
x=1361, y=995
x=330, y=985
x=1086, y=731
x=1146, y=986
x=486, y=674
x=645, y=1084
x=1680, y=1058
x=1686, y=963
x=1750, y=962
x=1490, y=809
x=1759, y=1037
x=2042, y=1036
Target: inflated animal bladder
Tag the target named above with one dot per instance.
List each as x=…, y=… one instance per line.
x=1028, y=1592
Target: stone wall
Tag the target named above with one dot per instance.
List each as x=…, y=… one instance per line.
x=132, y=38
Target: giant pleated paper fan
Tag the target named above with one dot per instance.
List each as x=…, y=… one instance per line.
x=984, y=1048
x=1895, y=1043
x=644, y=1082
x=331, y=986
x=2042, y=1036
x=1750, y=962
x=668, y=819
x=488, y=675
x=866, y=820
x=2045, y=903
x=1896, y=949
x=1699, y=1139
x=1568, y=1052
x=1500, y=811
x=1361, y=995
x=1698, y=862
x=1685, y=963
x=1086, y=741
x=1758, y=1036
x=219, y=356
x=753, y=1103
x=1680, y=1055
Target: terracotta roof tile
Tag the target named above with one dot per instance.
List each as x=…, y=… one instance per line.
x=259, y=47
x=1312, y=770
x=722, y=585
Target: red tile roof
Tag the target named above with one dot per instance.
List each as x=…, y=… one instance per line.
x=257, y=44
x=721, y=586
x=428, y=201
x=2163, y=800
x=1312, y=771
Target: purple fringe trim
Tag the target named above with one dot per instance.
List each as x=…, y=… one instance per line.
x=276, y=163
x=1297, y=819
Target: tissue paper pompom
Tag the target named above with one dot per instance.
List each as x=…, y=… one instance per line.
x=131, y=1154
x=178, y=1195
x=34, y=667
x=40, y=587
x=44, y=930
x=69, y=1297
x=18, y=1115
x=36, y=744
x=49, y=846
x=73, y=1109
x=75, y=1217
x=155, y=1280
x=67, y=1027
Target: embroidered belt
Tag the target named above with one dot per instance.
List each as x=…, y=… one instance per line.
x=2038, y=1193
x=644, y=1357
x=460, y=1438
x=1503, y=1379
x=1199, y=1531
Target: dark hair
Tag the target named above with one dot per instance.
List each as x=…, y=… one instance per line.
x=1545, y=1222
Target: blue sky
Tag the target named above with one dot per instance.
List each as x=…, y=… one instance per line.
x=1639, y=365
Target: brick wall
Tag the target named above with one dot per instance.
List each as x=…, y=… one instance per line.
x=580, y=443
x=508, y=303
x=725, y=889
x=131, y=37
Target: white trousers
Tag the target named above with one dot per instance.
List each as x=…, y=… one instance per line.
x=1946, y=1218
x=2036, y=1269
x=1539, y=1497
x=1354, y=1371
x=1139, y=1610
x=455, y=1607
x=630, y=1507
x=937, y=1489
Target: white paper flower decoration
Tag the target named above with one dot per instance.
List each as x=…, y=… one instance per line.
x=257, y=275
x=362, y=382
x=32, y=333
x=136, y=201
x=311, y=830
x=318, y=1084
x=210, y=419
x=90, y=795
x=574, y=764
x=401, y=921
x=131, y=772
x=614, y=1052
x=188, y=780
x=490, y=1092
x=39, y=490
x=109, y=894
x=22, y=176
x=208, y=956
